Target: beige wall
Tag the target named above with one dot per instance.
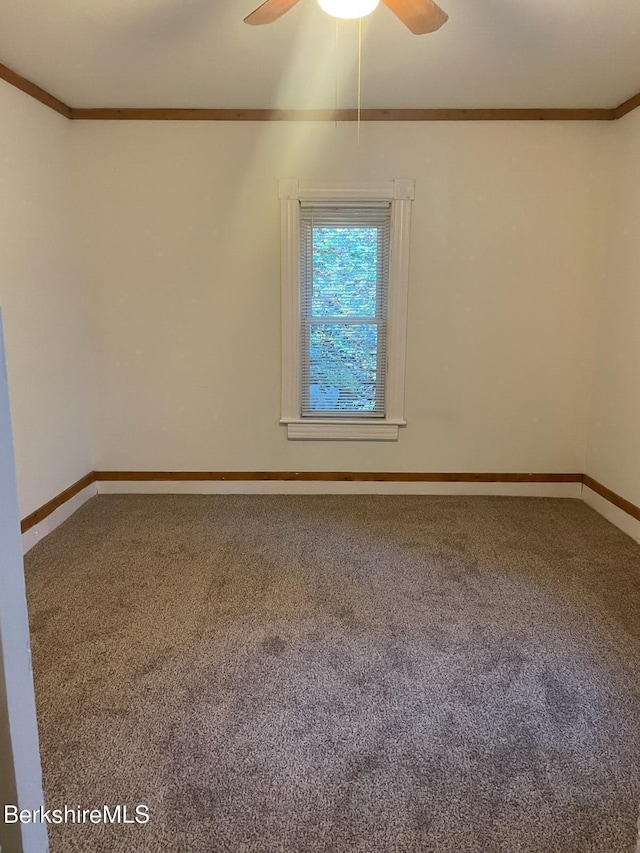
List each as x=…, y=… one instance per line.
x=182, y=253
x=42, y=301
x=154, y=247
x=614, y=433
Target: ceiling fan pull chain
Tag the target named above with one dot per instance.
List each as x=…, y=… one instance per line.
x=337, y=65
x=359, y=72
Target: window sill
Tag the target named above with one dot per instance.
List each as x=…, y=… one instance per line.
x=342, y=430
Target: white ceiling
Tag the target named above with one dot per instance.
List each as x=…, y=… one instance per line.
x=199, y=53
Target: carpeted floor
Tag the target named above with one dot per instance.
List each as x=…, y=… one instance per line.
x=347, y=674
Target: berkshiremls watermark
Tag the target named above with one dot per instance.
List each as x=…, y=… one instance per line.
x=136, y=814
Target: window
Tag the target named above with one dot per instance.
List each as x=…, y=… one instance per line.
x=344, y=292
x=344, y=263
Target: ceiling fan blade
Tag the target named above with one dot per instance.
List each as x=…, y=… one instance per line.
x=270, y=11
x=421, y=16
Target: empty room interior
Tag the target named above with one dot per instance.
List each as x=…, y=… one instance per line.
x=320, y=426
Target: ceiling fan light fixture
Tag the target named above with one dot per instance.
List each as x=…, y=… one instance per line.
x=348, y=8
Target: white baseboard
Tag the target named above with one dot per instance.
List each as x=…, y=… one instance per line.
x=617, y=516
x=612, y=513
x=322, y=487
x=296, y=487
x=48, y=524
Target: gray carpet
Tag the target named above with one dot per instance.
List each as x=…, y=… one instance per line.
x=340, y=674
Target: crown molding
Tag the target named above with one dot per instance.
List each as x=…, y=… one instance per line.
x=627, y=106
x=34, y=91
x=179, y=114
x=158, y=114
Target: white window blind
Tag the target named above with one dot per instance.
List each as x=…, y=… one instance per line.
x=344, y=275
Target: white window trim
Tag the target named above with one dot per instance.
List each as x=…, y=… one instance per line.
x=400, y=193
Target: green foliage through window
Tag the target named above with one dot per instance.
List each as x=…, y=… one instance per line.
x=343, y=317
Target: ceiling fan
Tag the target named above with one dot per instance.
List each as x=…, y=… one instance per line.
x=420, y=16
